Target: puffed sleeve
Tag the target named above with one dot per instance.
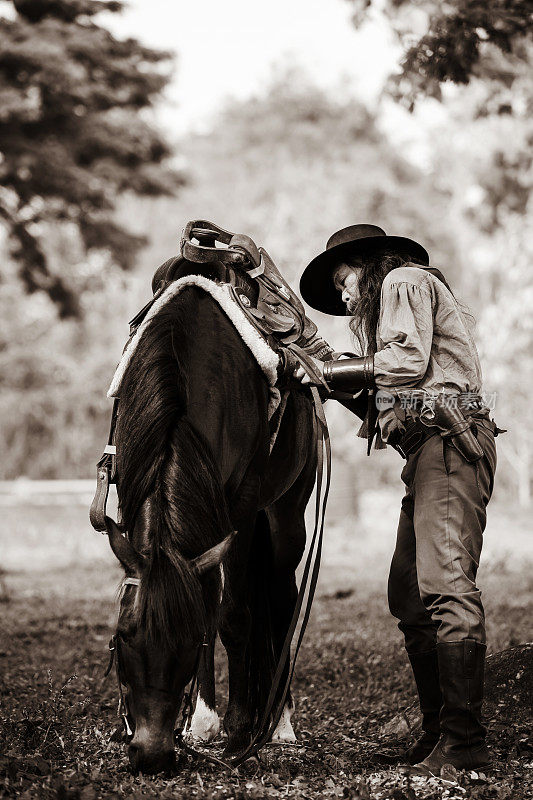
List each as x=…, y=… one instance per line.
x=405, y=333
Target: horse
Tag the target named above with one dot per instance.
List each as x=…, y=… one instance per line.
x=199, y=486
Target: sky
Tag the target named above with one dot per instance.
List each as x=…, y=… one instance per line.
x=231, y=48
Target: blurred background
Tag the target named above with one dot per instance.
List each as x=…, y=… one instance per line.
x=286, y=120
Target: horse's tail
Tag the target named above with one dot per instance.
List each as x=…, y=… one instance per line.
x=188, y=508
x=262, y=646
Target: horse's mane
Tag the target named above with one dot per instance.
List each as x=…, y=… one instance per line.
x=162, y=459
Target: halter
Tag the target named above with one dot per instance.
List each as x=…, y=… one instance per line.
x=115, y=658
x=187, y=712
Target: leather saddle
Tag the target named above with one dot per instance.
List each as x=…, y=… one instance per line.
x=255, y=282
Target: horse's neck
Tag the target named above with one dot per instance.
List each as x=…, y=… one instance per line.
x=227, y=394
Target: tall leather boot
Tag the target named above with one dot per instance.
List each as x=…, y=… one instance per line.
x=426, y=671
x=462, y=741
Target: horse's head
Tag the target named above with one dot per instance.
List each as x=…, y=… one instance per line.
x=161, y=627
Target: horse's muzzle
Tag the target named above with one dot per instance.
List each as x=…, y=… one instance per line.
x=148, y=761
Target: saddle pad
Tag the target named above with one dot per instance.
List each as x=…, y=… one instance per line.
x=267, y=359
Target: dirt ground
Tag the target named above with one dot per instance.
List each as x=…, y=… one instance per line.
x=354, y=695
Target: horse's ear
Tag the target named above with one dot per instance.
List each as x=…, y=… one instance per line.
x=213, y=557
x=122, y=548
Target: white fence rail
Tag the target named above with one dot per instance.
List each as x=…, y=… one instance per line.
x=24, y=491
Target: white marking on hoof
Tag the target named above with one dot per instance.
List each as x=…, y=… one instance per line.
x=284, y=731
x=205, y=723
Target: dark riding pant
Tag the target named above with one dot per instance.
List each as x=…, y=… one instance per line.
x=432, y=582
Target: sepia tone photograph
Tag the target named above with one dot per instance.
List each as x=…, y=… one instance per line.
x=266, y=365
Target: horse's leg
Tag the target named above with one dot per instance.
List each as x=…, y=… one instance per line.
x=284, y=733
x=283, y=599
x=287, y=531
x=234, y=630
x=205, y=723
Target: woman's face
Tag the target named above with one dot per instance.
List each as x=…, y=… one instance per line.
x=346, y=279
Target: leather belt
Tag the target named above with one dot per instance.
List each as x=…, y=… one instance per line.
x=416, y=434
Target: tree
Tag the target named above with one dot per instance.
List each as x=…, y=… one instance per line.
x=74, y=134
x=456, y=41
x=506, y=332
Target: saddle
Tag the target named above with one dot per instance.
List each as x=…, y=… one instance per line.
x=254, y=281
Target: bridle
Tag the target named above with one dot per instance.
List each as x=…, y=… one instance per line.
x=115, y=659
x=123, y=712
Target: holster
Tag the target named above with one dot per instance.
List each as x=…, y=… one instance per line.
x=445, y=415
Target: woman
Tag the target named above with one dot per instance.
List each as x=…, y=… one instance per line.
x=420, y=356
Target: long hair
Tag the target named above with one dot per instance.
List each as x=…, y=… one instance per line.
x=161, y=458
x=374, y=267
x=365, y=311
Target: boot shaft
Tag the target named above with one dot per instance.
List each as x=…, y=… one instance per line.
x=425, y=668
x=461, y=673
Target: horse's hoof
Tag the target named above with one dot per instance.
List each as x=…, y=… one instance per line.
x=236, y=745
x=284, y=733
x=205, y=723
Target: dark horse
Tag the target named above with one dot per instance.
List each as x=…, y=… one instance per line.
x=194, y=465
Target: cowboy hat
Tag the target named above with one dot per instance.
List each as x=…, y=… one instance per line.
x=316, y=284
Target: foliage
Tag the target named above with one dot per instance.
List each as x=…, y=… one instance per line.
x=463, y=40
x=74, y=134
x=54, y=378
x=506, y=328
x=288, y=167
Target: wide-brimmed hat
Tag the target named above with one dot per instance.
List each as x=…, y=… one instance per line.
x=316, y=284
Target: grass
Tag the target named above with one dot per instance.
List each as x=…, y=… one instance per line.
x=352, y=686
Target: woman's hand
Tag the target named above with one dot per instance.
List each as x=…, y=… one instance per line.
x=302, y=375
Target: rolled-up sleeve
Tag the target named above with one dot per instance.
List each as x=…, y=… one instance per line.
x=405, y=334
